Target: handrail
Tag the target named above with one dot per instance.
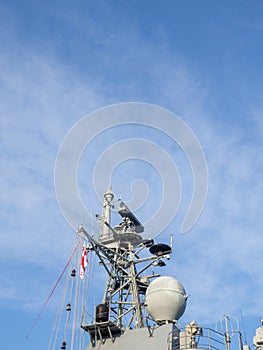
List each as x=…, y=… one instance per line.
x=205, y=338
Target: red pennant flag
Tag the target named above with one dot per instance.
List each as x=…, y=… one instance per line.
x=84, y=262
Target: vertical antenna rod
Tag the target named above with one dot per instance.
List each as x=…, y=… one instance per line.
x=106, y=213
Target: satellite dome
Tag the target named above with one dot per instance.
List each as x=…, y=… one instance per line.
x=165, y=299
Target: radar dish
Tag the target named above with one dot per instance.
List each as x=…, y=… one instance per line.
x=160, y=249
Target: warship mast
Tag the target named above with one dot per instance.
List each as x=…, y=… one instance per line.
x=140, y=309
x=132, y=310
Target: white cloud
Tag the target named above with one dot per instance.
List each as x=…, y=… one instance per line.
x=219, y=261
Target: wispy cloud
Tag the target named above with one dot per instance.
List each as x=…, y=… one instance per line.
x=219, y=261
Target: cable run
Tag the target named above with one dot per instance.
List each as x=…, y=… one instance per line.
x=52, y=291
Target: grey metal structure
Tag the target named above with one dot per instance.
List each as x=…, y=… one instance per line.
x=258, y=338
x=139, y=309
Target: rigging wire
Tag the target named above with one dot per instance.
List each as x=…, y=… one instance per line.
x=74, y=296
x=70, y=292
x=84, y=295
x=75, y=309
x=51, y=293
x=243, y=324
x=71, y=273
x=57, y=323
x=69, y=309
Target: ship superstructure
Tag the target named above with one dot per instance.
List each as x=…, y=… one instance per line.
x=139, y=308
x=258, y=338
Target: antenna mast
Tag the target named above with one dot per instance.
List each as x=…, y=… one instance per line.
x=117, y=249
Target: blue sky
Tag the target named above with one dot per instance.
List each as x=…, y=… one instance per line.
x=61, y=61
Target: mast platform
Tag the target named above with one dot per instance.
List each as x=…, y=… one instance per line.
x=102, y=330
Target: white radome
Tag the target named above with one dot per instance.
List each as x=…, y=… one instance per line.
x=165, y=299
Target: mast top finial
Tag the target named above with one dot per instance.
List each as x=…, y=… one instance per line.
x=109, y=194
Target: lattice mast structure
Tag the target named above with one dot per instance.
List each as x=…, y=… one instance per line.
x=118, y=249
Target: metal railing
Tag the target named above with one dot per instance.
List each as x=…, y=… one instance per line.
x=203, y=338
